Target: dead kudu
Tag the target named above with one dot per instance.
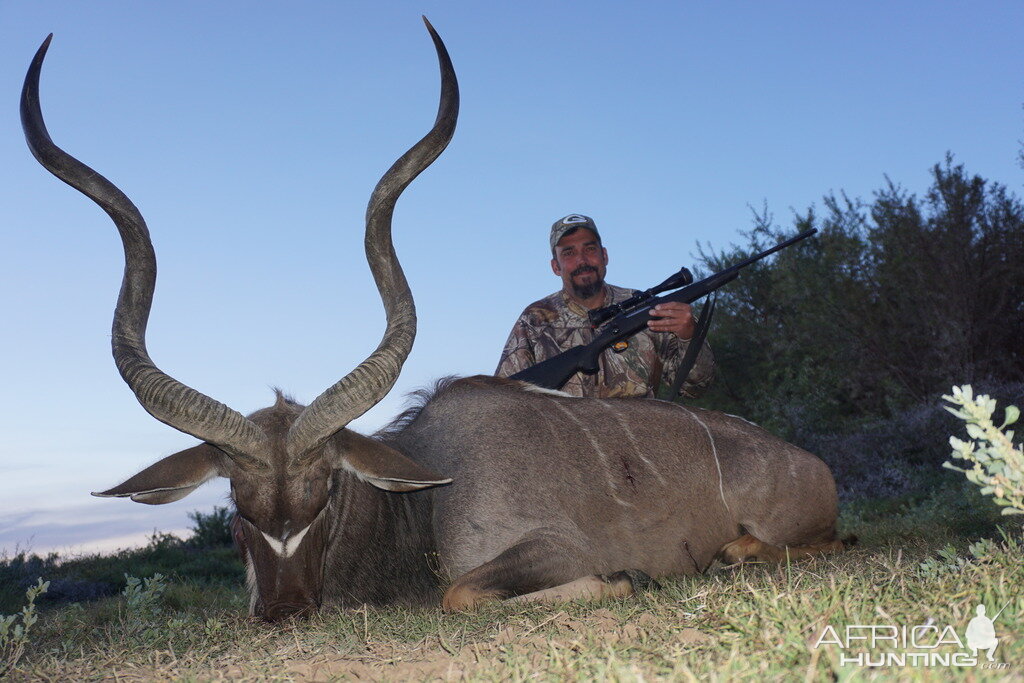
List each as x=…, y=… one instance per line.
x=488, y=489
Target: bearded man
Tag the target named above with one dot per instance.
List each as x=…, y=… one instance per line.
x=644, y=368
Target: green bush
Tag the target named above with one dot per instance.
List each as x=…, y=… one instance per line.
x=893, y=301
x=997, y=466
x=211, y=530
x=14, y=636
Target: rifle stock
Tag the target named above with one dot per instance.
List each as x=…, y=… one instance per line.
x=554, y=372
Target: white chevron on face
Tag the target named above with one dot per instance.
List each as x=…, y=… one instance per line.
x=287, y=546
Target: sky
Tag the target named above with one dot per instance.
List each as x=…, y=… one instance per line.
x=251, y=134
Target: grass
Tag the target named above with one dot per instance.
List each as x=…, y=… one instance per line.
x=929, y=556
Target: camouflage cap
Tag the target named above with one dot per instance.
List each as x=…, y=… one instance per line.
x=571, y=222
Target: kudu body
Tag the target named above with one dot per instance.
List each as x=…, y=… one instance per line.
x=490, y=488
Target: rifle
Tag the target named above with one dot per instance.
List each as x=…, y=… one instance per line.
x=627, y=318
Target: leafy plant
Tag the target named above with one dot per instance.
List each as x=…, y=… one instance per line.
x=997, y=466
x=143, y=597
x=14, y=636
x=143, y=615
x=948, y=561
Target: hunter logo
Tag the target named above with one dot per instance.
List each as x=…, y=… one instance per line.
x=927, y=645
x=981, y=633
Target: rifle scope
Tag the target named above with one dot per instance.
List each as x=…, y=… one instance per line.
x=598, y=316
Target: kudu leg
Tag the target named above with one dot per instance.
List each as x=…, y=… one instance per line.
x=747, y=548
x=536, y=562
x=538, y=569
x=595, y=587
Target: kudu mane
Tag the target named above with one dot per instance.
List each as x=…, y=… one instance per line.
x=416, y=401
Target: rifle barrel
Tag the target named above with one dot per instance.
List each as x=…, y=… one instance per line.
x=769, y=252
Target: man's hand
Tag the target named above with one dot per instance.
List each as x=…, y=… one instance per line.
x=674, y=317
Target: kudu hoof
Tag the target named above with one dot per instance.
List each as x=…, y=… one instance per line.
x=467, y=598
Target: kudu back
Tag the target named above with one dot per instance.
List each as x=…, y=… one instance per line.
x=487, y=488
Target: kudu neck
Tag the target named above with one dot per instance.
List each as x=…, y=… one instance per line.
x=382, y=546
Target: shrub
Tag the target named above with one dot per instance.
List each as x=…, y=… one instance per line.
x=211, y=530
x=997, y=466
x=143, y=597
x=892, y=302
x=14, y=636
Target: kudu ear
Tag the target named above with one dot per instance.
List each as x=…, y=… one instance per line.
x=378, y=464
x=172, y=478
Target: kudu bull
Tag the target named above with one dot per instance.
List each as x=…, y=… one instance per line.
x=490, y=488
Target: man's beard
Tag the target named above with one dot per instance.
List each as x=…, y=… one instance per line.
x=586, y=291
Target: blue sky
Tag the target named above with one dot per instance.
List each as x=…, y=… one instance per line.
x=250, y=136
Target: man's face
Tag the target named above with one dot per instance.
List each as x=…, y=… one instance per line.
x=581, y=262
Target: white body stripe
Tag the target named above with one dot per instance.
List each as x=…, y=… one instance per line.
x=714, y=452
x=610, y=405
x=744, y=419
x=613, y=485
x=533, y=388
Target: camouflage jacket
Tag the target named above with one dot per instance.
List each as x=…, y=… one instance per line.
x=646, y=368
